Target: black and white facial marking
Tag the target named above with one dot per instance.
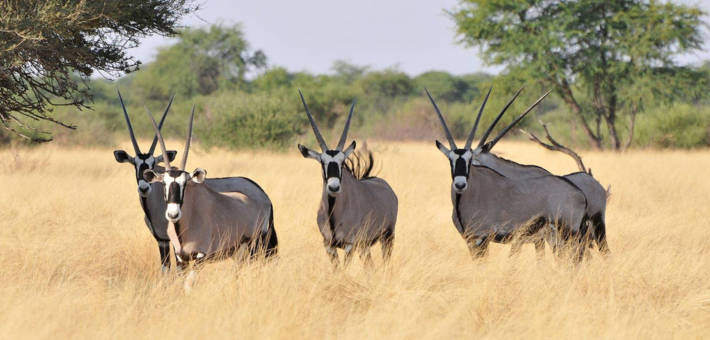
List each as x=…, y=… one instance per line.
x=175, y=182
x=332, y=162
x=142, y=162
x=460, y=160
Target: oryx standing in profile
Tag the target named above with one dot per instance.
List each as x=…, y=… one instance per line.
x=150, y=194
x=491, y=207
x=355, y=211
x=592, y=189
x=204, y=223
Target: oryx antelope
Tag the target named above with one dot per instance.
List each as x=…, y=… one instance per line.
x=491, y=207
x=152, y=204
x=204, y=223
x=597, y=196
x=592, y=189
x=355, y=210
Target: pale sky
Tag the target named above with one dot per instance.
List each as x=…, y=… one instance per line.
x=308, y=35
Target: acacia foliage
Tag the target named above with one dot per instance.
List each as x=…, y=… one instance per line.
x=607, y=60
x=49, y=49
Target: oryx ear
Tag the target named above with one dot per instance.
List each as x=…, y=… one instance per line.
x=122, y=157
x=485, y=148
x=171, y=156
x=349, y=150
x=442, y=148
x=308, y=153
x=151, y=176
x=199, y=175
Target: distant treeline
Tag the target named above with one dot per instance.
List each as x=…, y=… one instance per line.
x=242, y=103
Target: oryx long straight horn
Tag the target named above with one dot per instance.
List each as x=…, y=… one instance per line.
x=490, y=128
x=471, y=136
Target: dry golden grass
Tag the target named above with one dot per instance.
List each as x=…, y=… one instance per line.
x=77, y=260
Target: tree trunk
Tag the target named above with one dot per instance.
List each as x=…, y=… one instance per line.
x=611, y=119
x=566, y=94
x=613, y=136
x=632, y=124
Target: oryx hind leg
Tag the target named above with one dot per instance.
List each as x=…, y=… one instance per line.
x=387, y=243
x=366, y=257
x=515, y=248
x=540, y=247
x=268, y=242
x=599, y=229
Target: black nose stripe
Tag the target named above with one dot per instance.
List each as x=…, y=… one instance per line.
x=460, y=167
x=333, y=170
x=174, y=193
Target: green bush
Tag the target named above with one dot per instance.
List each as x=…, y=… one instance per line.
x=241, y=121
x=674, y=126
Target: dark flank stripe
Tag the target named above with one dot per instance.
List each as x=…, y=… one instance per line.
x=331, y=219
x=458, y=212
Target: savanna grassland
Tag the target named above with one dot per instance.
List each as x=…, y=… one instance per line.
x=77, y=260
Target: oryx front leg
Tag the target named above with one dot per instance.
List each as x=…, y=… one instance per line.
x=478, y=247
x=333, y=254
x=192, y=275
x=164, y=248
x=348, y=255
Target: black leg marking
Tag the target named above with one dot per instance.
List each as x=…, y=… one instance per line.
x=164, y=248
x=272, y=241
x=600, y=233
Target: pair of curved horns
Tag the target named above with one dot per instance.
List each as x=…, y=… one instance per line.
x=321, y=141
x=488, y=131
x=130, y=127
x=166, y=159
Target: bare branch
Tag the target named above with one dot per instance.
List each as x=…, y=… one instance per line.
x=555, y=146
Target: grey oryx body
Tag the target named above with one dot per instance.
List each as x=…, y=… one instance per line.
x=203, y=222
x=356, y=211
x=593, y=190
x=491, y=207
